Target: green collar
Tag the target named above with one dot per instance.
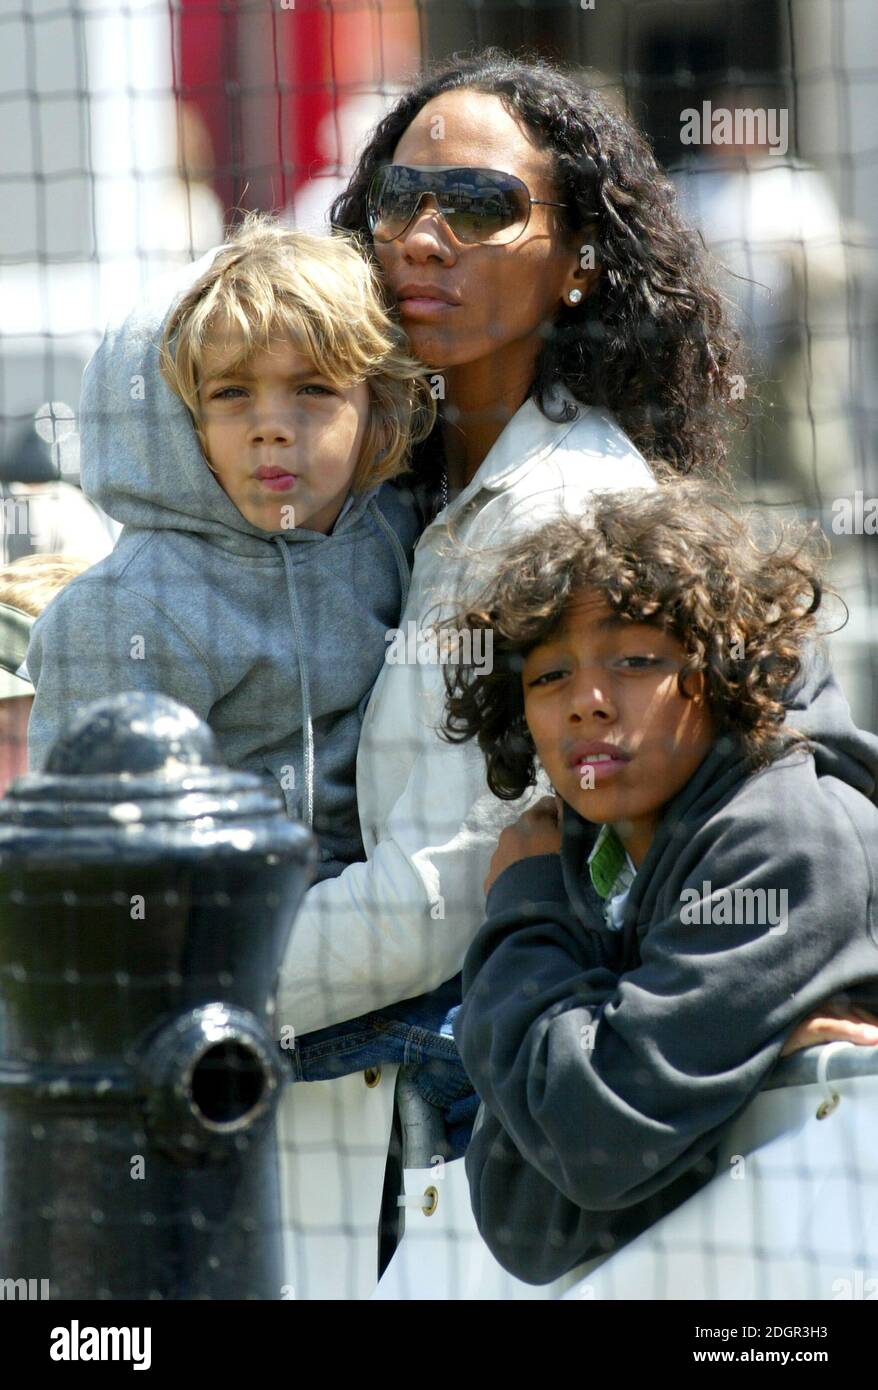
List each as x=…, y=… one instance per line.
x=606, y=860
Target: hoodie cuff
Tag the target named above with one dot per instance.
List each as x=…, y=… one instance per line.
x=537, y=879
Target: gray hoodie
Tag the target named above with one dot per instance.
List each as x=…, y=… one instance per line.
x=610, y=1062
x=276, y=639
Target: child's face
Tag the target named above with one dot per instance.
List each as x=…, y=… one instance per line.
x=602, y=681
x=283, y=441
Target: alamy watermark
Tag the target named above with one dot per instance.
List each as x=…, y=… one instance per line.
x=717, y=125
x=760, y=907
x=76, y=1343
x=25, y=1290
x=855, y=516
x=414, y=646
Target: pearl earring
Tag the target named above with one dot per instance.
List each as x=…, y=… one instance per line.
x=574, y=296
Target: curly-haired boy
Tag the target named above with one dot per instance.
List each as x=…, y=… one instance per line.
x=628, y=996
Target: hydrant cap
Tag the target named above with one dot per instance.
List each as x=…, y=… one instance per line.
x=134, y=732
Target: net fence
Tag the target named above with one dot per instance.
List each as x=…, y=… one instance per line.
x=290, y=1121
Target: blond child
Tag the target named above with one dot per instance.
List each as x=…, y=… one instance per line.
x=247, y=441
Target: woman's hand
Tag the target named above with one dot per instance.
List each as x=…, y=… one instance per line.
x=833, y=1022
x=538, y=831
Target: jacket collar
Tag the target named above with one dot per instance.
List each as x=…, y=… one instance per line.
x=524, y=441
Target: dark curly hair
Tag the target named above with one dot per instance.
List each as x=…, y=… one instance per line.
x=739, y=594
x=652, y=342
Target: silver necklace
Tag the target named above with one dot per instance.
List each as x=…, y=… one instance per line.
x=444, y=491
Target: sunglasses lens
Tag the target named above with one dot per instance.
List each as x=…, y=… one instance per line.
x=393, y=197
x=479, y=205
x=484, y=207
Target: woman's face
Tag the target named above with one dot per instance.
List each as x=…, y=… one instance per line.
x=504, y=296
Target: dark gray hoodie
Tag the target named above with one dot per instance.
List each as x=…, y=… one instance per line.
x=610, y=1062
x=276, y=639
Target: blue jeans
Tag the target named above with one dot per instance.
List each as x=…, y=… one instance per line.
x=416, y=1033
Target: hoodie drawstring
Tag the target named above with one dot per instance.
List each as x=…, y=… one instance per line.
x=404, y=572
x=298, y=635
x=399, y=554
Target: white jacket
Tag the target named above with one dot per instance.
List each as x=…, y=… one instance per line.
x=399, y=924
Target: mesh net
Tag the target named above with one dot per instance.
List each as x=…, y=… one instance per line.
x=137, y=138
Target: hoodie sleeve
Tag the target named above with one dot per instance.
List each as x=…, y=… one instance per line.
x=97, y=638
x=603, y=1095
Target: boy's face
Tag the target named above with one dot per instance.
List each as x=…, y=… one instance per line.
x=602, y=686
x=282, y=440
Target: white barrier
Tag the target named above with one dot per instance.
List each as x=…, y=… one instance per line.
x=442, y=1256
x=792, y=1212
x=333, y=1138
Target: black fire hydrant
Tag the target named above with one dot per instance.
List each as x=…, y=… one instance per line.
x=146, y=897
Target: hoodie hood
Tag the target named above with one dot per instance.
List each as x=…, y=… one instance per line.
x=816, y=707
x=141, y=460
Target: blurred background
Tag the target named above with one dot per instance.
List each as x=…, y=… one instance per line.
x=135, y=133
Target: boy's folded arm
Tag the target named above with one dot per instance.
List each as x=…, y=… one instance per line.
x=534, y=1231
x=98, y=638
x=612, y=1088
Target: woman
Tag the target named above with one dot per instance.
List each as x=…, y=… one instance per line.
x=540, y=266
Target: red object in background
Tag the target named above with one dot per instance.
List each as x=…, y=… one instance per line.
x=14, y=716
x=313, y=93
x=205, y=67
x=291, y=62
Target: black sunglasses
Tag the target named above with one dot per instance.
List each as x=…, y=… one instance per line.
x=480, y=206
